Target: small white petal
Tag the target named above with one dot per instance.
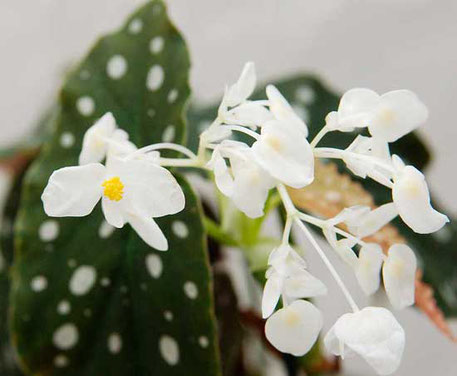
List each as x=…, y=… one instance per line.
x=304, y=285
x=398, y=113
x=114, y=212
x=372, y=221
x=248, y=114
x=95, y=140
x=356, y=108
x=342, y=247
x=399, y=274
x=283, y=111
x=368, y=270
x=271, y=295
x=222, y=176
x=73, y=191
x=348, y=215
x=149, y=231
x=285, y=154
x=294, y=329
x=243, y=88
x=412, y=199
x=373, y=333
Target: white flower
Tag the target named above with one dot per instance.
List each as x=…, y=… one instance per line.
x=368, y=269
x=366, y=156
x=373, y=333
x=399, y=272
x=283, y=111
x=132, y=191
x=248, y=114
x=370, y=222
x=388, y=117
x=245, y=182
x=289, y=278
x=96, y=140
x=294, y=329
x=412, y=199
x=284, y=152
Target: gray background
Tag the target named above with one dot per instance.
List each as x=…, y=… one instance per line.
x=380, y=44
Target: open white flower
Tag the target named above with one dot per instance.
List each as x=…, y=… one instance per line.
x=283, y=111
x=245, y=182
x=412, y=199
x=368, y=269
x=284, y=152
x=294, y=329
x=373, y=333
x=133, y=191
x=399, y=274
x=388, y=117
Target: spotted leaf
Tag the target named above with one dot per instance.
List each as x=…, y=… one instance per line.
x=88, y=299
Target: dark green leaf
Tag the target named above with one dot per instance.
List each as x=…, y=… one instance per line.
x=143, y=312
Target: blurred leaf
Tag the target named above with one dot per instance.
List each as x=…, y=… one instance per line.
x=87, y=300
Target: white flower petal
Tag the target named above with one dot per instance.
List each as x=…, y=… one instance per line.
x=215, y=133
x=398, y=113
x=251, y=187
x=372, y=221
x=243, y=88
x=368, y=270
x=348, y=215
x=412, y=199
x=285, y=154
x=399, y=272
x=73, y=191
x=149, y=231
x=248, y=114
x=95, y=140
x=373, y=333
x=222, y=176
x=149, y=189
x=271, y=295
x=283, y=111
x=342, y=247
x=294, y=329
x=114, y=212
x=303, y=285
x=356, y=108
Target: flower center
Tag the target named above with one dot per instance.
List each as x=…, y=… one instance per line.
x=114, y=189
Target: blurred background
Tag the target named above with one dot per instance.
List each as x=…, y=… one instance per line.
x=380, y=44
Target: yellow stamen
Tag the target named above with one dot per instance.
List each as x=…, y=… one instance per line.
x=114, y=189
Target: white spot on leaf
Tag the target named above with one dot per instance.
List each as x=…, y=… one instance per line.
x=136, y=26
x=67, y=140
x=156, y=45
x=114, y=343
x=172, y=96
x=85, y=105
x=191, y=290
x=154, y=265
x=72, y=263
x=49, y=230
x=39, y=283
x=180, y=229
x=61, y=361
x=116, y=67
x=168, y=315
x=305, y=94
x=105, y=230
x=168, y=134
x=64, y=307
x=82, y=280
x=105, y=282
x=65, y=337
x=151, y=112
x=203, y=341
x=84, y=75
x=155, y=78
x=169, y=350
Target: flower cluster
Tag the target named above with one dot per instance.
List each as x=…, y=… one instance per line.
x=135, y=187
